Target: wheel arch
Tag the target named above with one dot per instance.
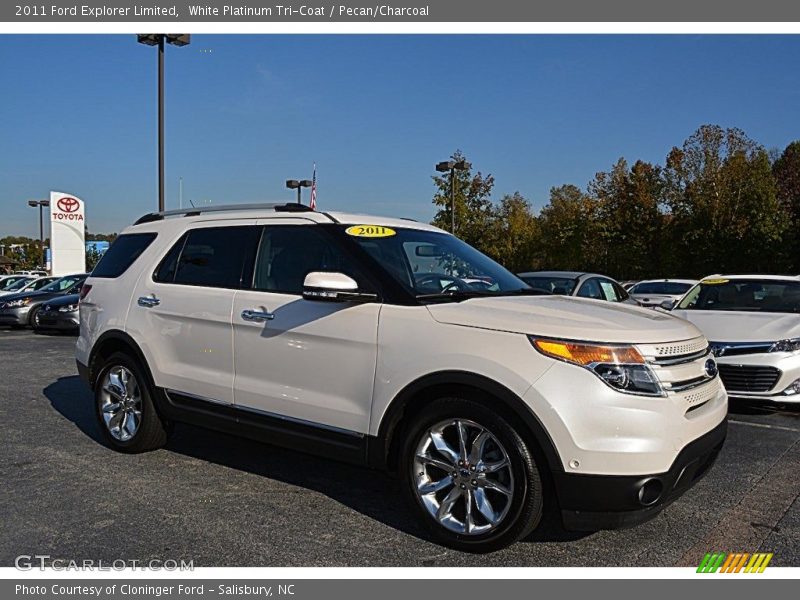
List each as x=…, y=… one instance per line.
x=414, y=396
x=107, y=344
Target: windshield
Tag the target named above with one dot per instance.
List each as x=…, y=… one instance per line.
x=429, y=263
x=759, y=295
x=11, y=281
x=18, y=285
x=552, y=285
x=667, y=288
x=64, y=283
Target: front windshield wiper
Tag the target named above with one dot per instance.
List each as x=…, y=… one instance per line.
x=525, y=292
x=459, y=295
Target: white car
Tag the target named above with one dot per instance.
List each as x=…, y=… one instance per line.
x=663, y=293
x=392, y=344
x=27, y=284
x=753, y=322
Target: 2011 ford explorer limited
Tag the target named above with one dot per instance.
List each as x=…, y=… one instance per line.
x=390, y=343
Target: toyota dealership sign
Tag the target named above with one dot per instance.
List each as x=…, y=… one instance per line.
x=67, y=225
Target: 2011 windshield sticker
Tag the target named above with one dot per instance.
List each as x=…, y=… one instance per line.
x=370, y=231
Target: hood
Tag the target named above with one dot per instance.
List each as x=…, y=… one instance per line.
x=736, y=326
x=567, y=318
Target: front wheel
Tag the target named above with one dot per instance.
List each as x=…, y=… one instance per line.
x=470, y=476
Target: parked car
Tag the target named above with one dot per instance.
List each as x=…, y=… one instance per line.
x=663, y=293
x=33, y=273
x=393, y=344
x=31, y=284
x=577, y=283
x=8, y=281
x=627, y=285
x=20, y=310
x=60, y=313
x=753, y=322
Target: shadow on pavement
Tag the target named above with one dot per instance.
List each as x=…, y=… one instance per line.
x=371, y=493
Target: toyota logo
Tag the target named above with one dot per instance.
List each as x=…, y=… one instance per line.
x=68, y=205
x=711, y=368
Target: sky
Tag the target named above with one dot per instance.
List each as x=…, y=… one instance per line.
x=376, y=112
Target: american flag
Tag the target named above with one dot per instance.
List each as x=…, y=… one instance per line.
x=313, y=202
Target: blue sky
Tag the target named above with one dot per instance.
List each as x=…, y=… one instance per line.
x=375, y=112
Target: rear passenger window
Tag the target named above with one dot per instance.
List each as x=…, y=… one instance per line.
x=215, y=256
x=122, y=254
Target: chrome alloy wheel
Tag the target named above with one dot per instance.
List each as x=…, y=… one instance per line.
x=463, y=476
x=121, y=403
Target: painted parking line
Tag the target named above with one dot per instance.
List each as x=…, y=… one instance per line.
x=763, y=425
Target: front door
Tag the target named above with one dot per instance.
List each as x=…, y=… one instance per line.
x=311, y=361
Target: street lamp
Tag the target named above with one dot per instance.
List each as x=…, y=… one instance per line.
x=453, y=166
x=158, y=39
x=41, y=204
x=298, y=185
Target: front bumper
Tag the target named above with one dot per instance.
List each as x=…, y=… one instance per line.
x=57, y=320
x=14, y=316
x=592, y=502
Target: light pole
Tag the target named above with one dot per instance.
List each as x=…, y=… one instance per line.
x=453, y=166
x=298, y=185
x=159, y=39
x=41, y=204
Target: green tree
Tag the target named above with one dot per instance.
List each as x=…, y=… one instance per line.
x=514, y=234
x=628, y=220
x=473, y=205
x=725, y=215
x=786, y=171
x=567, y=224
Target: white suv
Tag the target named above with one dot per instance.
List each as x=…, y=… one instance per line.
x=392, y=344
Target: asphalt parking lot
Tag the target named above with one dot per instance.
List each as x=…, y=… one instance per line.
x=222, y=501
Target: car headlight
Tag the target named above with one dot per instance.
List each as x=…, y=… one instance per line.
x=68, y=308
x=17, y=303
x=620, y=367
x=790, y=345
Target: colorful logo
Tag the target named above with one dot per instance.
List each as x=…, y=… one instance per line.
x=734, y=562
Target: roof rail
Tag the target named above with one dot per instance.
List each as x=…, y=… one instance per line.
x=197, y=210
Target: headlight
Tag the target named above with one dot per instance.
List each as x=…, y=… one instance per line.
x=16, y=303
x=791, y=345
x=620, y=367
x=68, y=308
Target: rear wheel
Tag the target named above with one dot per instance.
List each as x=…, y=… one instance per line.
x=470, y=476
x=124, y=406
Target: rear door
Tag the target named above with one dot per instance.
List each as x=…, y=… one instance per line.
x=182, y=310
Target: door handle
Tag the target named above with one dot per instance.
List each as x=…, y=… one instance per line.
x=148, y=301
x=259, y=316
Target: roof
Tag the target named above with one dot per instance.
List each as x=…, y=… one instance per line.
x=564, y=274
x=275, y=211
x=755, y=276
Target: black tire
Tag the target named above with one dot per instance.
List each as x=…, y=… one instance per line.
x=152, y=432
x=525, y=507
x=33, y=316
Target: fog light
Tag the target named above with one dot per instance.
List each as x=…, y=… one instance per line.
x=794, y=388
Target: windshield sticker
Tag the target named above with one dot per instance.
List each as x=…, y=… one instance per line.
x=370, y=231
x=715, y=281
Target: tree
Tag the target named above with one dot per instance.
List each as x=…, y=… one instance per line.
x=514, y=234
x=628, y=220
x=567, y=227
x=786, y=171
x=473, y=206
x=725, y=215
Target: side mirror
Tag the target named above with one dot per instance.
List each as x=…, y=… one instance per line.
x=667, y=304
x=333, y=287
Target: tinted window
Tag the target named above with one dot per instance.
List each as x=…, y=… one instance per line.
x=591, y=289
x=122, y=253
x=744, y=295
x=288, y=253
x=64, y=283
x=166, y=270
x=669, y=288
x=40, y=283
x=215, y=257
x=563, y=286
